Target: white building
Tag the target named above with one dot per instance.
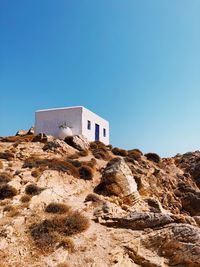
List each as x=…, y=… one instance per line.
x=78, y=120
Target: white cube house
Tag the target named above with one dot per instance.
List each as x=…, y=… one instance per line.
x=77, y=120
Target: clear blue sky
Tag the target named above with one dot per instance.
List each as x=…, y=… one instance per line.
x=134, y=62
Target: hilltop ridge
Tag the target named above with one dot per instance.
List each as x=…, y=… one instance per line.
x=75, y=203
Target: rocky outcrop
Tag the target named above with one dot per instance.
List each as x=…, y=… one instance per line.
x=118, y=179
x=78, y=142
x=178, y=243
x=21, y=133
x=161, y=229
x=42, y=138
x=138, y=220
x=31, y=131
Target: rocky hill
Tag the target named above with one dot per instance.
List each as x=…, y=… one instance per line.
x=74, y=203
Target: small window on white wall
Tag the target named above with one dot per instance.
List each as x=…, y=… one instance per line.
x=104, y=132
x=89, y=125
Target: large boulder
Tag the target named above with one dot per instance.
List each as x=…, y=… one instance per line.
x=118, y=178
x=21, y=133
x=172, y=245
x=138, y=220
x=31, y=131
x=42, y=138
x=77, y=141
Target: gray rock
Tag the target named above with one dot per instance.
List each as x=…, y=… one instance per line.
x=77, y=141
x=21, y=133
x=118, y=178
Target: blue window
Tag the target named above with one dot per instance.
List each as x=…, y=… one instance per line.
x=89, y=125
x=104, y=132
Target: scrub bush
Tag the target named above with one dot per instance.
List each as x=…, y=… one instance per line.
x=33, y=190
x=86, y=172
x=7, y=191
x=153, y=157
x=57, y=208
x=119, y=152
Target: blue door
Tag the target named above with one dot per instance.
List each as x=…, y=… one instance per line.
x=96, y=132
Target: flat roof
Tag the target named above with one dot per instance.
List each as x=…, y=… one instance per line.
x=48, y=109
x=74, y=107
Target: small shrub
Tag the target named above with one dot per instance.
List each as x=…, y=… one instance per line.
x=11, y=210
x=36, y=173
x=93, y=198
x=86, y=172
x=8, y=208
x=53, y=164
x=57, y=208
x=52, y=146
x=17, y=139
x=1, y=164
x=134, y=154
x=99, y=150
x=7, y=191
x=7, y=155
x=5, y=177
x=43, y=235
x=120, y=152
x=33, y=190
x=91, y=163
x=73, y=224
x=75, y=163
x=50, y=232
x=74, y=156
x=109, y=147
x=25, y=198
x=83, y=153
x=153, y=157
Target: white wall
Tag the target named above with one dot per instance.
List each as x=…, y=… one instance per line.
x=90, y=134
x=48, y=121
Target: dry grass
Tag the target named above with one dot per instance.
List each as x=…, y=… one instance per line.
x=83, y=153
x=120, y=152
x=53, y=164
x=5, y=177
x=1, y=164
x=72, y=224
x=75, y=163
x=7, y=155
x=37, y=173
x=93, y=198
x=17, y=139
x=50, y=232
x=57, y=208
x=12, y=211
x=33, y=189
x=153, y=157
x=59, y=265
x=51, y=146
x=99, y=150
x=134, y=154
x=86, y=172
x=25, y=198
x=7, y=191
x=90, y=163
x=78, y=154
